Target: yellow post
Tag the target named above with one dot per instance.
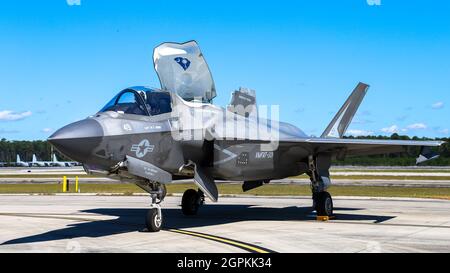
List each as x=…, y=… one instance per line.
x=76, y=184
x=64, y=187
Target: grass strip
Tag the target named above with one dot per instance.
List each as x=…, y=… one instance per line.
x=232, y=189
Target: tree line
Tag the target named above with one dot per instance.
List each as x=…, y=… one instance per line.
x=407, y=158
x=26, y=149
x=43, y=150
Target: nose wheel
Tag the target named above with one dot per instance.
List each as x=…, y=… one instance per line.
x=191, y=201
x=323, y=203
x=154, y=217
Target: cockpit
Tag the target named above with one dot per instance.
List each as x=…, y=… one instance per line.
x=140, y=101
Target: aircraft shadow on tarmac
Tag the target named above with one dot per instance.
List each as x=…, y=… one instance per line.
x=131, y=220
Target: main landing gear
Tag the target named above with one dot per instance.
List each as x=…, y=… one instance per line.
x=323, y=203
x=320, y=181
x=191, y=201
x=154, y=218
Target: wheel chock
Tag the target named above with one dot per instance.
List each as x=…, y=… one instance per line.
x=324, y=218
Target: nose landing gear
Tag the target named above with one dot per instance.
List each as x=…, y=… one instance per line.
x=154, y=218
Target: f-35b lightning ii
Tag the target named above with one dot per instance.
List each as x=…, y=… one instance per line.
x=154, y=136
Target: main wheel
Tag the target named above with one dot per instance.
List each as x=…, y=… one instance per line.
x=153, y=221
x=323, y=203
x=190, y=202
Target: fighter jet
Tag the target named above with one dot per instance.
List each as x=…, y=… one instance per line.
x=155, y=136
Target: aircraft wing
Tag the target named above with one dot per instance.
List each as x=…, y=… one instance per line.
x=332, y=141
x=357, y=147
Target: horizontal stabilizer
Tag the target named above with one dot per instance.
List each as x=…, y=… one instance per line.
x=426, y=154
x=340, y=123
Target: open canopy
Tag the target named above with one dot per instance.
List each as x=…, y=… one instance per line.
x=182, y=69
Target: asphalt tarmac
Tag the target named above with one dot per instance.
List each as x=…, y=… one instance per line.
x=89, y=223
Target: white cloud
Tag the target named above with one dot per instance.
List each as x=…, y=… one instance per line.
x=374, y=2
x=356, y=132
x=417, y=126
x=391, y=130
x=394, y=129
x=444, y=131
x=8, y=115
x=47, y=130
x=438, y=105
x=73, y=2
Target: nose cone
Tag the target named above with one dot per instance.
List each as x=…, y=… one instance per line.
x=78, y=140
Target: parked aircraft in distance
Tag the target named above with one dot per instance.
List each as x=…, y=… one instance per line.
x=20, y=163
x=151, y=137
x=57, y=163
x=37, y=163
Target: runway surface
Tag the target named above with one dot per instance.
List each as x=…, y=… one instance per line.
x=240, y=224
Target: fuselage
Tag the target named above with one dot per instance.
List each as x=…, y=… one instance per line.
x=23, y=164
x=189, y=131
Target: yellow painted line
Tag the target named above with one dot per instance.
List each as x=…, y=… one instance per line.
x=238, y=244
x=50, y=216
x=241, y=245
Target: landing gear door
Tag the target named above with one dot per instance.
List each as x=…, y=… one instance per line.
x=182, y=69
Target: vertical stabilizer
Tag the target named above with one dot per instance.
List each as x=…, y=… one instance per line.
x=340, y=123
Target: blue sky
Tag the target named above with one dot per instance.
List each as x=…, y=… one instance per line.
x=60, y=63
